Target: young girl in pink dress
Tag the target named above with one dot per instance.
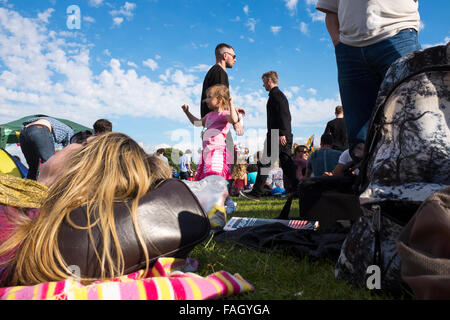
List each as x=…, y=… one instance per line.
x=215, y=159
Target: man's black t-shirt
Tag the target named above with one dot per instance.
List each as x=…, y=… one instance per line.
x=338, y=131
x=215, y=75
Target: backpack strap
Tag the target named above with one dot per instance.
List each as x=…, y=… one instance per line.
x=284, y=215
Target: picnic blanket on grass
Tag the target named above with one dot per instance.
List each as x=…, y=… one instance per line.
x=169, y=279
x=318, y=244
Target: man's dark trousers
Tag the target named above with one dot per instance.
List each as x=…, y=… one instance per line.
x=37, y=146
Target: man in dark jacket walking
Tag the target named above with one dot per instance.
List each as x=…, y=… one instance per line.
x=278, y=140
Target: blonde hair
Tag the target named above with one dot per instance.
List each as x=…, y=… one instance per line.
x=239, y=171
x=222, y=94
x=109, y=168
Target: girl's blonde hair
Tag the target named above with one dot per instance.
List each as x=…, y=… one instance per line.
x=222, y=94
x=109, y=168
x=239, y=171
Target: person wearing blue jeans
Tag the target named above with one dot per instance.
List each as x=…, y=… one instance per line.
x=39, y=138
x=368, y=38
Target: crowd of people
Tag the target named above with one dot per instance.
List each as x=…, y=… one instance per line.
x=100, y=168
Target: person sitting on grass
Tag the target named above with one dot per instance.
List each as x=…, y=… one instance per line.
x=346, y=160
x=275, y=182
x=300, y=159
x=324, y=159
x=239, y=175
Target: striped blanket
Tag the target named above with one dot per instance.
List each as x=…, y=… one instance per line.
x=169, y=279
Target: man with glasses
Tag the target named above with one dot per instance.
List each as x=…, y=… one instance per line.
x=225, y=58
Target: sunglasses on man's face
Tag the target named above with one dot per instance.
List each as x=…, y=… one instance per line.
x=232, y=55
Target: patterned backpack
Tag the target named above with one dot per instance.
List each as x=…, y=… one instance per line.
x=406, y=159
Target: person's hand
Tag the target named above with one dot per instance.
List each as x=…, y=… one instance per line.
x=335, y=42
x=283, y=141
x=239, y=128
x=329, y=174
x=185, y=107
x=241, y=111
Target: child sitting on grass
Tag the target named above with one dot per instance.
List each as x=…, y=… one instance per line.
x=239, y=175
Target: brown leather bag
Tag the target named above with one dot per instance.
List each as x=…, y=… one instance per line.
x=171, y=221
x=424, y=248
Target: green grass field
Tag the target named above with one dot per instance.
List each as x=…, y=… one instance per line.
x=276, y=276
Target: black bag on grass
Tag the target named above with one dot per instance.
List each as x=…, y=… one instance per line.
x=406, y=159
x=326, y=199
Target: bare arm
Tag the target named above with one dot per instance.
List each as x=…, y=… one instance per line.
x=336, y=171
x=194, y=120
x=233, y=118
x=332, y=22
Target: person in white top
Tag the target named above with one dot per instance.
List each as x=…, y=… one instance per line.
x=368, y=35
x=185, y=165
x=160, y=154
x=346, y=159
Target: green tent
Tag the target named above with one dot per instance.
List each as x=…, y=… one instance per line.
x=9, y=132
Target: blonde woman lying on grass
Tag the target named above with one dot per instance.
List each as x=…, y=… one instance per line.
x=110, y=168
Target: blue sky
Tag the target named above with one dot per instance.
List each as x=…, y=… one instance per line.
x=136, y=62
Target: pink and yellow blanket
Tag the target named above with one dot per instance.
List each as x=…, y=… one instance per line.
x=169, y=279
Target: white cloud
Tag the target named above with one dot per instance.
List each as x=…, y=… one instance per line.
x=88, y=19
x=291, y=5
x=311, y=2
x=126, y=11
x=129, y=6
x=421, y=25
x=183, y=80
x=117, y=21
x=200, y=68
x=132, y=64
x=44, y=16
x=95, y=3
x=151, y=64
x=40, y=74
x=316, y=15
x=5, y=3
x=312, y=91
x=275, y=29
x=303, y=27
x=246, y=9
x=251, y=24
x=294, y=89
